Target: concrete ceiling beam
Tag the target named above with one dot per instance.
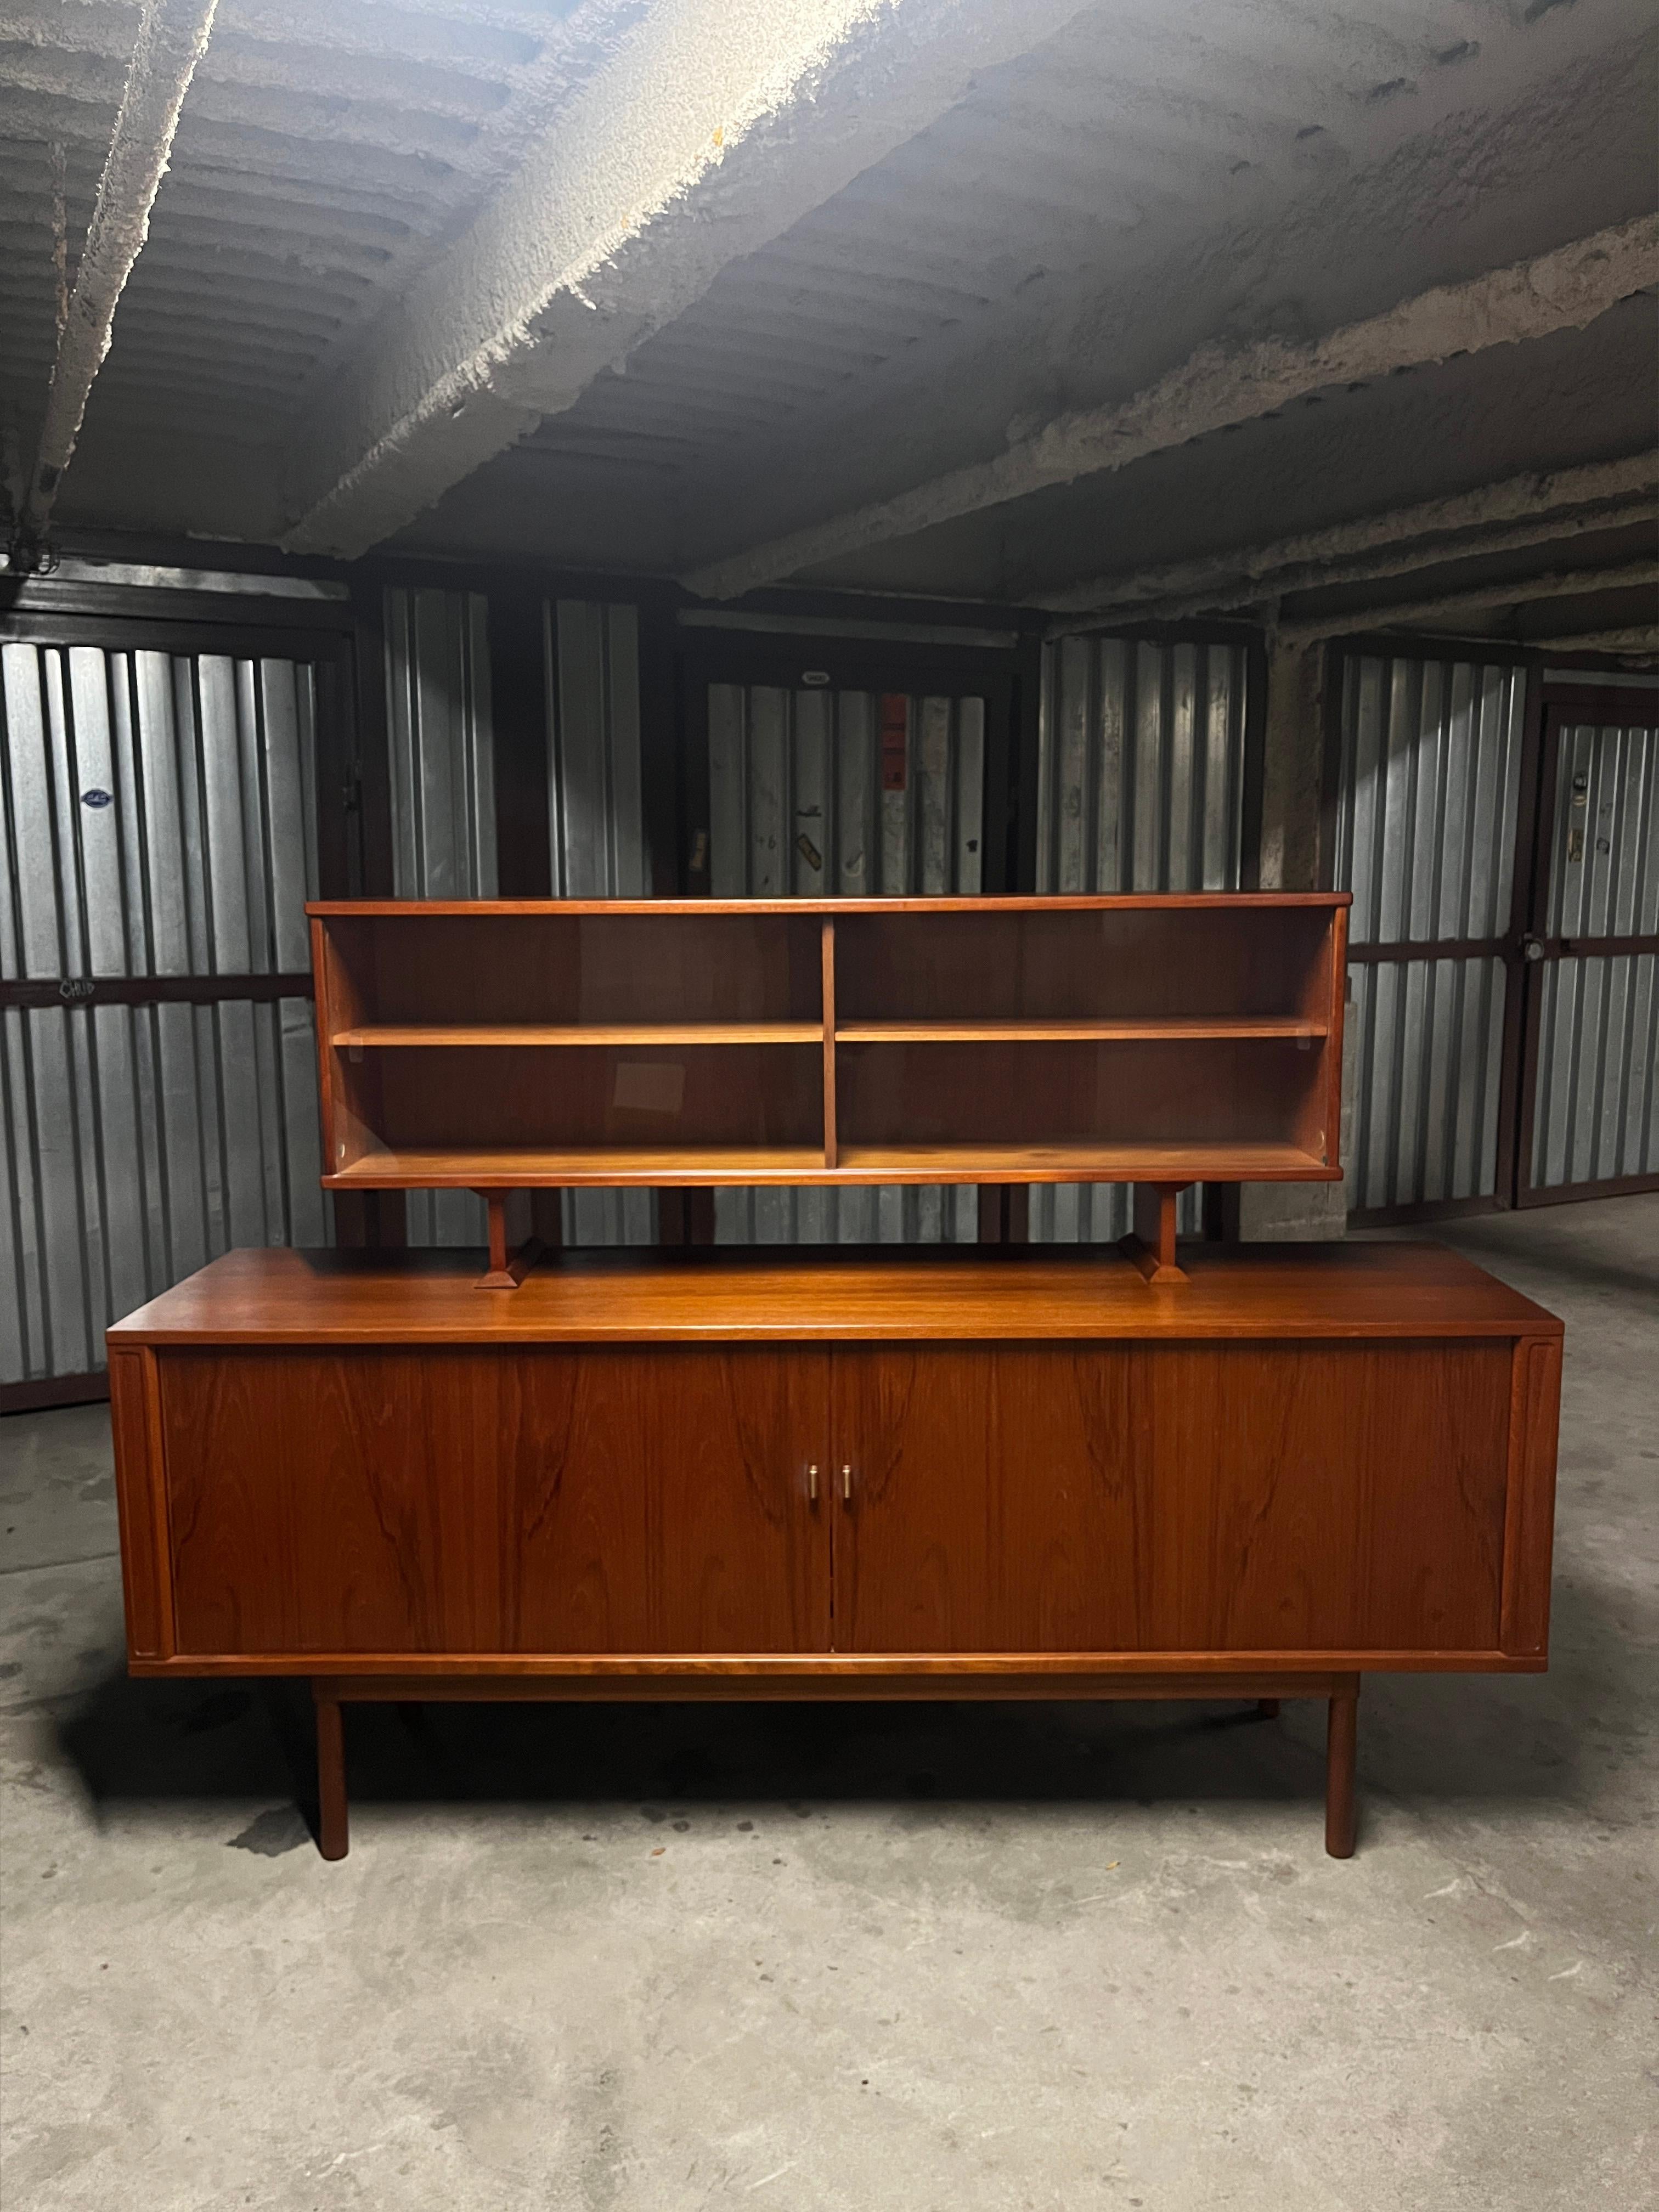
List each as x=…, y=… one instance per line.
x=1219, y=386
x=707, y=133
x=1643, y=638
x=1457, y=606
x=1498, y=518
x=172, y=36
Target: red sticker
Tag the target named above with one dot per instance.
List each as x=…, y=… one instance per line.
x=895, y=740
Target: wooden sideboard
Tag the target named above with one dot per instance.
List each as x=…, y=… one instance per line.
x=864, y=1474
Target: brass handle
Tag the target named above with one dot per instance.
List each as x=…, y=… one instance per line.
x=847, y=1486
x=812, y=1482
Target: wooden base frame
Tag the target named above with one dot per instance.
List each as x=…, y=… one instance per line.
x=330, y=1693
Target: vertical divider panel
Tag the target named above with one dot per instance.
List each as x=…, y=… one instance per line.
x=1336, y=955
x=323, y=1023
x=831, y=1156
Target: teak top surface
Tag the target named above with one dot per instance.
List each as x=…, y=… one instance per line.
x=1285, y=1292
x=1072, y=902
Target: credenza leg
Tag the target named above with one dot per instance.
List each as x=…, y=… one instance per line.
x=1267, y=1709
x=1340, y=1740
x=333, y=1836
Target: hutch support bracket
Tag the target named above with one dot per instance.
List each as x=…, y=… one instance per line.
x=508, y=1267
x=1151, y=1246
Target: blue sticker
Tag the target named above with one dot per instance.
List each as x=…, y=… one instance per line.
x=95, y=797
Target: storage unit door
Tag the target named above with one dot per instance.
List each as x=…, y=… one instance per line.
x=1172, y=1499
x=550, y=1500
x=160, y=833
x=1593, y=1070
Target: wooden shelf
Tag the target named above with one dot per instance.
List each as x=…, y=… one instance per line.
x=1036, y=1030
x=1082, y=1163
x=533, y=1169
x=617, y=1166
x=383, y=1037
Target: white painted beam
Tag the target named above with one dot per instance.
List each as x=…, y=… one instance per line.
x=1526, y=510
x=1217, y=386
x=715, y=125
x=172, y=36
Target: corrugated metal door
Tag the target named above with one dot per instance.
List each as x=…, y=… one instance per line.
x=440, y=734
x=1428, y=815
x=1591, y=1079
x=1140, y=788
x=817, y=790
x=157, y=1059
x=809, y=798
x=597, y=819
x=441, y=776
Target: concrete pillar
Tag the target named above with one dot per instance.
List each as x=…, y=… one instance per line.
x=1293, y=767
x=1292, y=792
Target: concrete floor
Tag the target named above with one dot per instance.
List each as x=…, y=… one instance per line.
x=636, y=1960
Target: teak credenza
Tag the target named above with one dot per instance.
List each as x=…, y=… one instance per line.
x=865, y=1475
x=956, y=1473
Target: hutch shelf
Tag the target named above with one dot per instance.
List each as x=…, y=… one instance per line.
x=508, y=1047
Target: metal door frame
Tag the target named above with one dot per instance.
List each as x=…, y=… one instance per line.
x=329, y=647
x=1563, y=707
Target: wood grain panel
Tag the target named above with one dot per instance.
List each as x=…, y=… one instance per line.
x=1529, y=1532
x=1046, y=961
x=1262, y=1294
x=659, y=1503
x=694, y=1674
x=561, y=964
x=703, y=909
x=1346, y=1495
x=448, y=1501
x=136, y=1433
x=1227, y=1096
x=1172, y=1498
x=664, y=1098
x=333, y=1501
x=991, y=1506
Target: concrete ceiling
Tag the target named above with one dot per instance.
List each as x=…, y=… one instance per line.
x=1141, y=308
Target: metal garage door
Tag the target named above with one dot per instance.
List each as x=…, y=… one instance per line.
x=158, y=1077
x=1505, y=865
x=1590, y=1083
x=822, y=790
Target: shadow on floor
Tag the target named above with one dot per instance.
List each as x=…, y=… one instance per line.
x=1430, y=1739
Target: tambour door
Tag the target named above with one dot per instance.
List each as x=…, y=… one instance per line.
x=548, y=1500
x=1279, y=1497
x=984, y=1498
